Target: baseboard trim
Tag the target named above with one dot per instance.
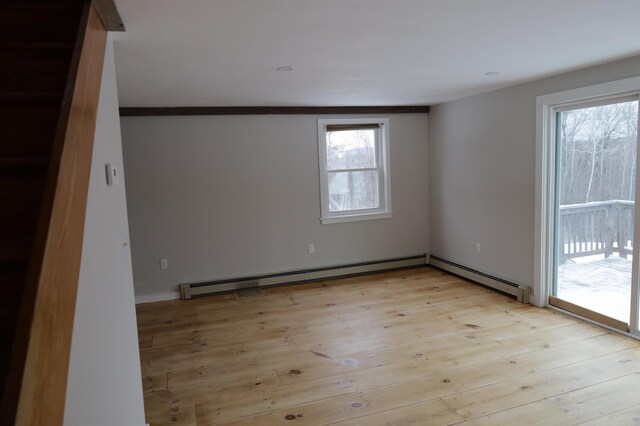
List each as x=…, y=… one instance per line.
x=160, y=297
x=522, y=293
x=189, y=290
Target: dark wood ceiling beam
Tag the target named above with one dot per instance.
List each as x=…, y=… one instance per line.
x=272, y=110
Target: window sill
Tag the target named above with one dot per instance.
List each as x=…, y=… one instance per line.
x=355, y=218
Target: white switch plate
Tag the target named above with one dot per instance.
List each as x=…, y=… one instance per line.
x=312, y=248
x=112, y=175
x=164, y=264
x=478, y=247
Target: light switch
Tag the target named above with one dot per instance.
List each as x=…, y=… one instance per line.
x=112, y=175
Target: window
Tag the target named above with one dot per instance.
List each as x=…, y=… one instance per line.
x=354, y=169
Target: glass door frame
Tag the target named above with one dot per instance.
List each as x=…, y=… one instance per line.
x=546, y=194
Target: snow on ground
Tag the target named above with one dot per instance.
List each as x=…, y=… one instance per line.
x=597, y=283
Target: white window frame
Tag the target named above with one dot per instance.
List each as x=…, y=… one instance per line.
x=546, y=108
x=384, y=184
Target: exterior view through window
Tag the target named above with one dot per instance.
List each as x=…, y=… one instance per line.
x=354, y=169
x=352, y=172
x=596, y=183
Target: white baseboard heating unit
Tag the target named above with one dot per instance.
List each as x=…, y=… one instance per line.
x=187, y=291
x=522, y=293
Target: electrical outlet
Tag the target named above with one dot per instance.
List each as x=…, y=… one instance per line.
x=312, y=248
x=164, y=264
x=478, y=248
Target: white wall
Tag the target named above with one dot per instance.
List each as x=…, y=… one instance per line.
x=104, y=386
x=482, y=172
x=231, y=196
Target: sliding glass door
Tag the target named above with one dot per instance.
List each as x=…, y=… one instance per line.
x=596, y=150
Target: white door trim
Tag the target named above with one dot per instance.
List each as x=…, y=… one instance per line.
x=546, y=182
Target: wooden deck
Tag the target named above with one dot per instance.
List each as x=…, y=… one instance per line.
x=414, y=347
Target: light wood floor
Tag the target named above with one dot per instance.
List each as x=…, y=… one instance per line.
x=411, y=347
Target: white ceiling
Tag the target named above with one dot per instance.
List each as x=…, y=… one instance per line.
x=357, y=52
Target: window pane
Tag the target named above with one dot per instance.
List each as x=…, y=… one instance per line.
x=596, y=173
x=351, y=149
x=353, y=191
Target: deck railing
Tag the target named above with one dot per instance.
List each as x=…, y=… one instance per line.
x=602, y=227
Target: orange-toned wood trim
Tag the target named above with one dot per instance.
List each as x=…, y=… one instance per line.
x=46, y=322
x=587, y=313
x=108, y=12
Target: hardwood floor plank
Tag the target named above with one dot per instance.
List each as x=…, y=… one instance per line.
x=229, y=386
x=404, y=347
x=630, y=416
x=177, y=416
x=590, y=403
x=201, y=314
x=504, y=330
x=261, y=401
x=375, y=398
x=154, y=383
x=419, y=365
x=361, y=360
x=231, y=357
x=433, y=413
x=533, y=387
x=145, y=341
x=312, y=343
x=203, y=369
x=551, y=337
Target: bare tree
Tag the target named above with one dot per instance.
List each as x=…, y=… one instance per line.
x=349, y=150
x=598, y=148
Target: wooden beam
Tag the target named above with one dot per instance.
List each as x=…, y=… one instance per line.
x=49, y=301
x=109, y=15
x=271, y=110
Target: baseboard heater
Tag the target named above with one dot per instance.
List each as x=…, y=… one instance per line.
x=189, y=290
x=522, y=293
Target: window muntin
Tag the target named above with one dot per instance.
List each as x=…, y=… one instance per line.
x=354, y=169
